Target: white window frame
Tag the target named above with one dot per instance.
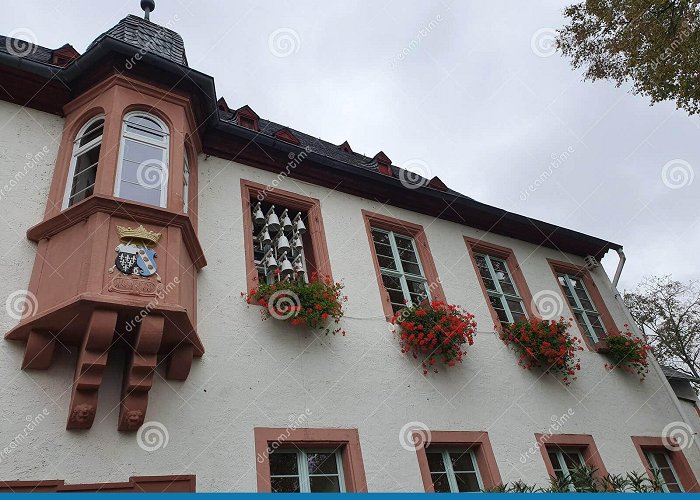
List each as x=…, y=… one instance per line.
x=577, y=307
x=562, y=467
x=449, y=469
x=186, y=183
x=79, y=150
x=303, y=467
x=654, y=466
x=164, y=145
x=499, y=293
x=399, y=272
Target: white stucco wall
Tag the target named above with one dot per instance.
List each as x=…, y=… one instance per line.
x=261, y=374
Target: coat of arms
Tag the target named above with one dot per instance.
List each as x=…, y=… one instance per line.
x=135, y=253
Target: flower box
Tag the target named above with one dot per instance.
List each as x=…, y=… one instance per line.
x=547, y=345
x=628, y=353
x=313, y=304
x=435, y=332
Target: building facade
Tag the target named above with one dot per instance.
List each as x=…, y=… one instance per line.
x=135, y=204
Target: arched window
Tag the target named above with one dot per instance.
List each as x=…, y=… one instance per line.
x=143, y=160
x=84, y=162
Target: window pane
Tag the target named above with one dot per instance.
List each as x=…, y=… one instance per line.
x=393, y=288
x=516, y=309
x=467, y=481
x=503, y=276
x=283, y=463
x=498, y=307
x=440, y=483
x=93, y=132
x=138, y=193
x=597, y=324
x=484, y=272
x=139, y=152
x=145, y=127
x=284, y=484
x=417, y=290
x=573, y=459
x=554, y=460
x=322, y=463
x=150, y=174
x=84, y=175
x=435, y=462
x=324, y=484
x=462, y=462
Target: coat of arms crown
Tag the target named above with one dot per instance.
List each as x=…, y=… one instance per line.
x=140, y=233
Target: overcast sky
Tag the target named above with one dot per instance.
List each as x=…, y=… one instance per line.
x=469, y=91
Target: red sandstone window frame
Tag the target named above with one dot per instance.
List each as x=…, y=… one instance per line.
x=584, y=442
x=136, y=484
x=678, y=460
x=319, y=259
x=581, y=272
x=415, y=231
x=475, y=246
x=478, y=441
x=347, y=440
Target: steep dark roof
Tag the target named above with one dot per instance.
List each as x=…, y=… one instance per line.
x=26, y=50
x=148, y=36
x=321, y=147
x=673, y=374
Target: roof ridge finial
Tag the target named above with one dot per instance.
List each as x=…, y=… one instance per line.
x=148, y=6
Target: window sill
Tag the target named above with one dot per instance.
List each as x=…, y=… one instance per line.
x=601, y=346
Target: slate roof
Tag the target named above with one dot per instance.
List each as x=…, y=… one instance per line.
x=673, y=374
x=153, y=38
x=322, y=147
x=32, y=52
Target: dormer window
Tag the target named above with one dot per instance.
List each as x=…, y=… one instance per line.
x=143, y=161
x=247, y=122
x=84, y=162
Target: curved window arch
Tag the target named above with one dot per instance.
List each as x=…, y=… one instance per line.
x=84, y=162
x=142, y=174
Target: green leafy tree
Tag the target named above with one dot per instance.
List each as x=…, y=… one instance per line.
x=654, y=45
x=668, y=313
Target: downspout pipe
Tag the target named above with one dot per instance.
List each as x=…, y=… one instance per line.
x=654, y=363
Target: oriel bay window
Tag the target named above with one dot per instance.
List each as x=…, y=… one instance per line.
x=142, y=173
x=84, y=162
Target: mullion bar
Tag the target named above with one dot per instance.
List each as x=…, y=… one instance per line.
x=579, y=307
x=450, y=472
